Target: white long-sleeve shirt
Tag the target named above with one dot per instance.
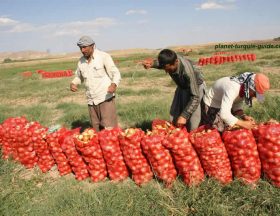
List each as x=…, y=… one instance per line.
x=97, y=75
x=224, y=95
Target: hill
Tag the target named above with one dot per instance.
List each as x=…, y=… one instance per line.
x=33, y=55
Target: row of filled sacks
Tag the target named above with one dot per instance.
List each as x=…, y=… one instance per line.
x=218, y=59
x=239, y=153
x=49, y=74
x=56, y=74
x=26, y=74
x=111, y=152
x=164, y=152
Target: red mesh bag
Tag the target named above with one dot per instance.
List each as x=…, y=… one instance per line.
x=1, y=135
x=159, y=157
x=268, y=142
x=37, y=134
x=12, y=134
x=87, y=144
x=161, y=126
x=212, y=153
x=185, y=157
x=76, y=161
x=130, y=143
x=24, y=146
x=60, y=158
x=243, y=153
x=109, y=142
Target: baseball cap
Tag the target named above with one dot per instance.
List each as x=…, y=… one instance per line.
x=85, y=41
x=262, y=84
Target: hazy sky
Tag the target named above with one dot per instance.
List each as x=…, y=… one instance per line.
x=56, y=25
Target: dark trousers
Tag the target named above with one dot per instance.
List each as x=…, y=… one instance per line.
x=103, y=115
x=180, y=101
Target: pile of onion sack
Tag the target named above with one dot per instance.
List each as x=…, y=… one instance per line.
x=184, y=155
x=164, y=153
x=212, y=153
x=243, y=153
x=130, y=143
x=87, y=143
x=268, y=142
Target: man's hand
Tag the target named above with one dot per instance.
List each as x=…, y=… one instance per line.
x=112, y=88
x=249, y=118
x=181, y=121
x=148, y=63
x=246, y=124
x=244, y=117
x=73, y=87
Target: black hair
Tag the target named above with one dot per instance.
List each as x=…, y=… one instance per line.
x=166, y=56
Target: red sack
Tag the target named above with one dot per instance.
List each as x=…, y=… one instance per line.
x=24, y=145
x=37, y=134
x=1, y=135
x=244, y=157
x=212, y=153
x=76, y=161
x=60, y=158
x=109, y=142
x=130, y=143
x=268, y=142
x=11, y=132
x=159, y=157
x=161, y=126
x=185, y=157
x=19, y=141
x=87, y=144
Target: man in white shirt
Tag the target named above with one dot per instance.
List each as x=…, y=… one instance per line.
x=223, y=102
x=101, y=77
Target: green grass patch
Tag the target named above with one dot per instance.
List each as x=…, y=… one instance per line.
x=42, y=194
x=261, y=63
x=264, y=111
x=45, y=91
x=245, y=67
x=74, y=115
x=269, y=57
x=143, y=92
x=134, y=74
x=38, y=112
x=276, y=63
x=11, y=72
x=141, y=113
x=274, y=80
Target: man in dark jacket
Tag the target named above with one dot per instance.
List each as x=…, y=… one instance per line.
x=185, y=108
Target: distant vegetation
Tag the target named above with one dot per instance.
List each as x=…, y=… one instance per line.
x=7, y=60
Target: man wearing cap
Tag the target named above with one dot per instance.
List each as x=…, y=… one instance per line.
x=101, y=77
x=185, y=109
x=222, y=104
